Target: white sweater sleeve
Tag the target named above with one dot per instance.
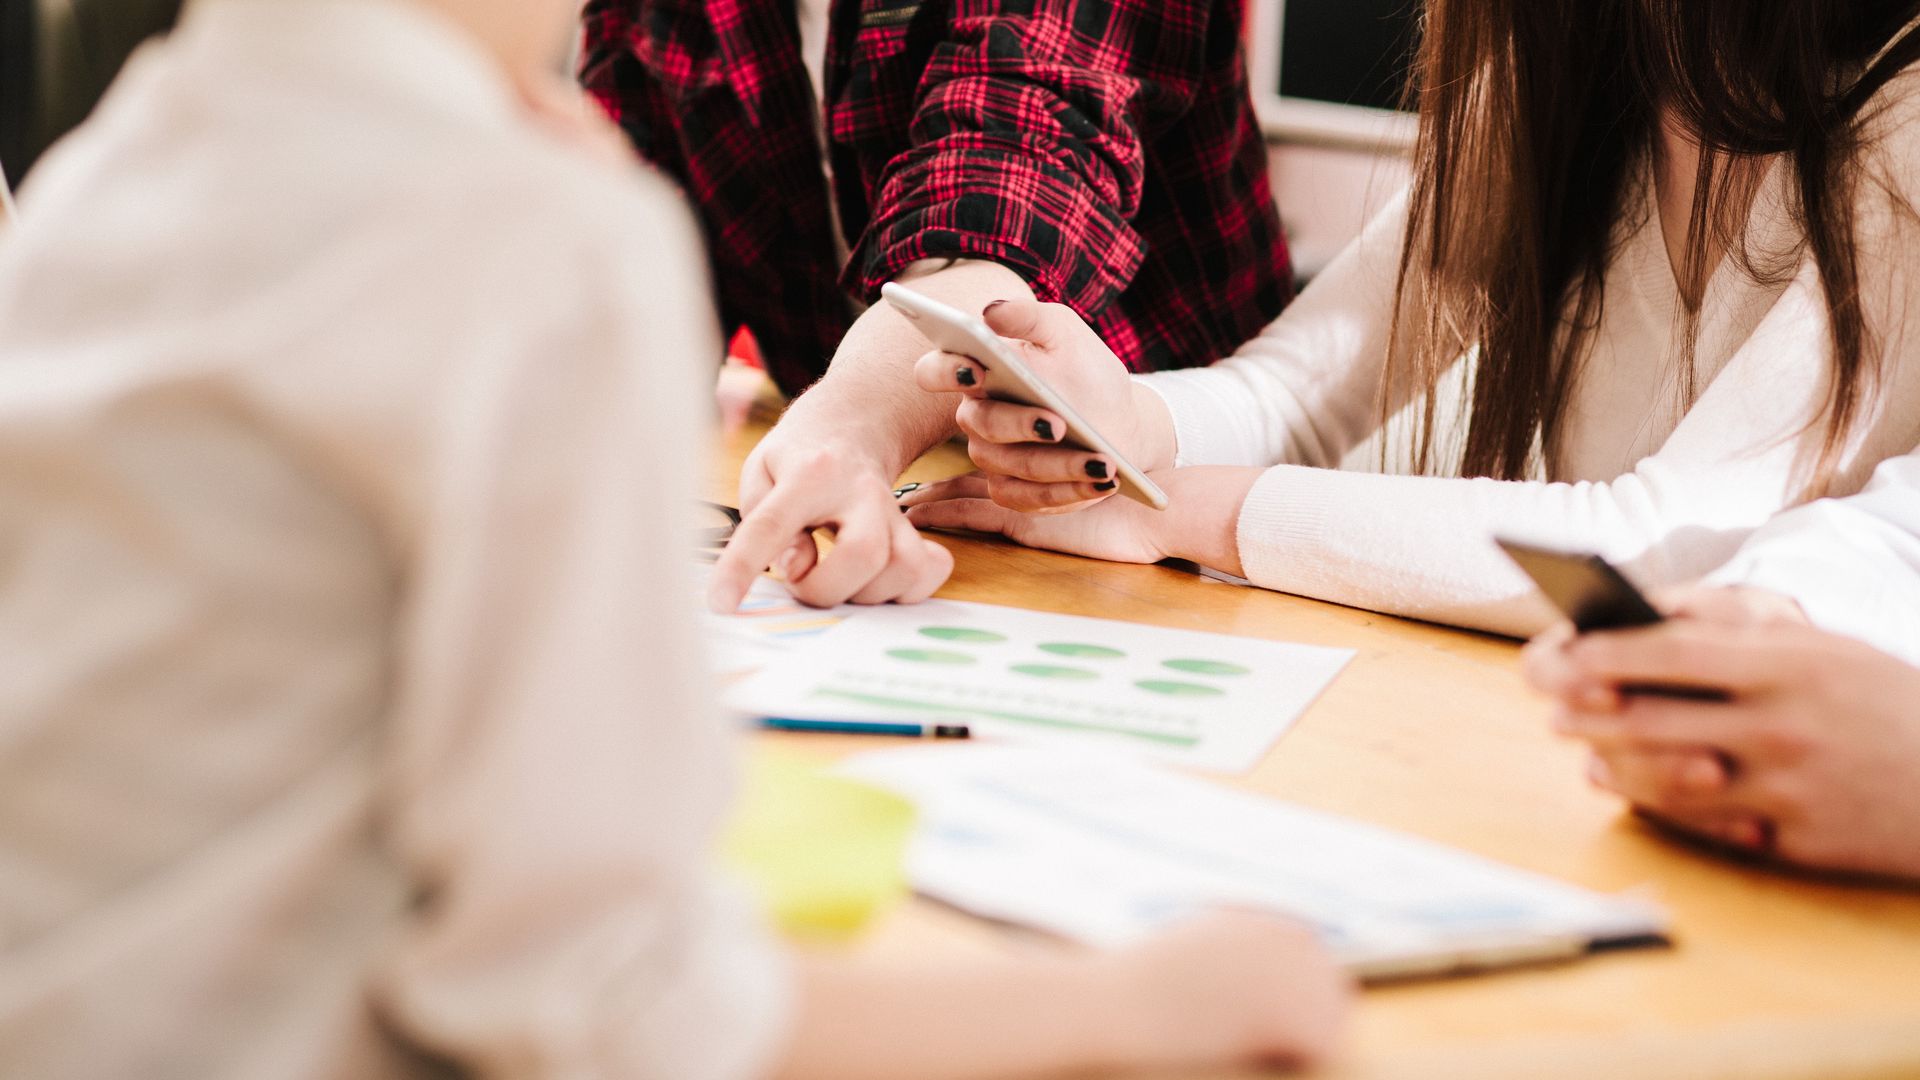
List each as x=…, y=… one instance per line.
x=1422, y=546
x=1853, y=564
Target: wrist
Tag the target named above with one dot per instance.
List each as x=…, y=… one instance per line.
x=873, y=430
x=1155, y=441
x=1202, y=521
x=1131, y=1026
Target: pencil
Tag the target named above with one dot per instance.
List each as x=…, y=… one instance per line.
x=867, y=727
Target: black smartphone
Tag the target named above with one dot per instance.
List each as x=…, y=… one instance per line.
x=1586, y=588
x=1594, y=596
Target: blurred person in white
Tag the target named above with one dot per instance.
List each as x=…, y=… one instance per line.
x=1810, y=751
x=352, y=717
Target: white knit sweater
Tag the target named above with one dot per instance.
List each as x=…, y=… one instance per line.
x=1669, y=491
x=1853, y=564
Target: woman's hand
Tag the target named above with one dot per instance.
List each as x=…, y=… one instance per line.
x=1226, y=989
x=1017, y=447
x=1117, y=531
x=1813, y=756
x=1229, y=988
x=1200, y=523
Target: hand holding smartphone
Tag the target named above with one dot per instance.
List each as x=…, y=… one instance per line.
x=1585, y=588
x=1006, y=377
x=1594, y=596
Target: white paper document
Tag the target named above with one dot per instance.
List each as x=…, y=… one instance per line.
x=1206, y=700
x=769, y=625
x=1104, y=851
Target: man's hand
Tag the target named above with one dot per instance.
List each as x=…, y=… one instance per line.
x=1017, y=446
x=1813, y=756
x=831, y=462
x=878, y=557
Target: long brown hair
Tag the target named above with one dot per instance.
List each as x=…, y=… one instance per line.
x=1534, y=116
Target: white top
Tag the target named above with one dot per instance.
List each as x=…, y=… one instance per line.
x=811, y=15
x=1853, y=564
x=1670, y=492
x=350, y=696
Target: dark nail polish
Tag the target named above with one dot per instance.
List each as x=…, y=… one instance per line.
x=1043, y=429
x=963, y=376
x=1108, y=486
x=905, y=490
x=1097, y=469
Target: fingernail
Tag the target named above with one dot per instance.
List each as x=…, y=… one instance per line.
x=963, y=375
x=1097, y=469
x=905, y=490
x=1599, y=699
x=1108, y=486
x=1043, y=429
x=991, y=306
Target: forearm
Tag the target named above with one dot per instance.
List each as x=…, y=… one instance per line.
x=868, y=396
x=1021, y=1017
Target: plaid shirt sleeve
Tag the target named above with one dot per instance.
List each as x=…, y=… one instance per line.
x=1027, y=143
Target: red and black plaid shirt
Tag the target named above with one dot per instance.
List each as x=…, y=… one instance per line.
x=1105, y=150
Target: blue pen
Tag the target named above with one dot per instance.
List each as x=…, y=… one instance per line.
x=865, y=727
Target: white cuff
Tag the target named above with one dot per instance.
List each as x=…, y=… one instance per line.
x=1197, y=399
x=1282, y=528
x=1852, y=601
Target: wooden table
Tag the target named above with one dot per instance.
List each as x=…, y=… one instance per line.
x=1431, y=731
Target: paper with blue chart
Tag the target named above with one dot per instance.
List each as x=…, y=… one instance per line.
x=1106, y=851
x=1209, y=701
x=770, y=625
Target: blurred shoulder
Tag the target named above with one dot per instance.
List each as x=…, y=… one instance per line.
x=530, y=204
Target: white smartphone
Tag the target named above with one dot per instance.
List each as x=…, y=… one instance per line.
x=1008, y=378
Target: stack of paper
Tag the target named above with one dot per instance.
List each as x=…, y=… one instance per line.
x=1104, y=851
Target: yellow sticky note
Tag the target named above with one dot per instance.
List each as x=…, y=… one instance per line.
x=824, y=854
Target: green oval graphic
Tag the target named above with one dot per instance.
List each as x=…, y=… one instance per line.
x=1082, y=652
x=1207, y=667
x=1179, y=689
x=1053, y=671
x=962, y=635
x=931, y=656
